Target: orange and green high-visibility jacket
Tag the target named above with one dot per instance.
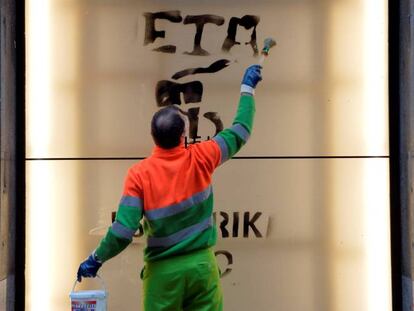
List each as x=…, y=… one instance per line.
x=171, y=190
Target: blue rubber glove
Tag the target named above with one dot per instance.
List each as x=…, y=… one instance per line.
x=251, y=77
x=89, y=267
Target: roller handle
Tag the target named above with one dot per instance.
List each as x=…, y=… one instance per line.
x=268, y=44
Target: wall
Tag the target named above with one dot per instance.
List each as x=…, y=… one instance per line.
x=313, y=179
x=8, y=154
x=405, y=152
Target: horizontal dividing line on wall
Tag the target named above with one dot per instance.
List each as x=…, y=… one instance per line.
x=234, y=158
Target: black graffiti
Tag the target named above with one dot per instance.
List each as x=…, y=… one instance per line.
x=192, y=115
x=248, y=224
x=200, y=21
x=171, y=93
x=235, y=224
x=247, y=21
x=139, y=233
x=214, y=117
x=214, y=67
x=229, y=258
x=223, y=224
x=192, y=140
x=151, y=33
x=166, y=49
x=168, y=92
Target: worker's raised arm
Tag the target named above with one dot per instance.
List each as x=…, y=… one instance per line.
x=232, y=139
x=122, y=230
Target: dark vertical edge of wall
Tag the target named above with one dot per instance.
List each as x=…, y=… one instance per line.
x=20, y=156
x=394, y=140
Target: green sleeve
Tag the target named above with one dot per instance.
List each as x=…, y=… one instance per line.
x=245, y=112
x=121, y=233
x=232, y=139
x=110, y=246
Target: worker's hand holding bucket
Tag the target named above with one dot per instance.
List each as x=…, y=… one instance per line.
x=89, y=268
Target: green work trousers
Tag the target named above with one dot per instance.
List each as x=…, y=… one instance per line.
x=189, y=282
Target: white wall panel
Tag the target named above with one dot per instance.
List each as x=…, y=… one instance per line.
x=315, y=247
x=313, y=100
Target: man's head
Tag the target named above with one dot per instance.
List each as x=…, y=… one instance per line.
x=167, y=127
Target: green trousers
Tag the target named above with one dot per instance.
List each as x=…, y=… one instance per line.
x=189, y=282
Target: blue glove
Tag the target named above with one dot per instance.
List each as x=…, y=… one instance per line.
x=251, y=77
x=89, y=267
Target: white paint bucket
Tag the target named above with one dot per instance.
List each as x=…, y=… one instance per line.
x=88, y=300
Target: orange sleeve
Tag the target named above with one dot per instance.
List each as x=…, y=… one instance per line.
x=208, y=152
x=132, y=184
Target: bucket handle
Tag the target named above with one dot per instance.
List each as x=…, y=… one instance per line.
x=100, y=280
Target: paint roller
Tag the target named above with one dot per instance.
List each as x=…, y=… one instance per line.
x=268, y=44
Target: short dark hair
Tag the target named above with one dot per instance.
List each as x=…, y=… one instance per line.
x=167, y=127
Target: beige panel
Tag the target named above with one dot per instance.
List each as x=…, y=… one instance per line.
x=326, y=249
x=314, y=100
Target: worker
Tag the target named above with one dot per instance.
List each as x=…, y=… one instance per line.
x=171, y=190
